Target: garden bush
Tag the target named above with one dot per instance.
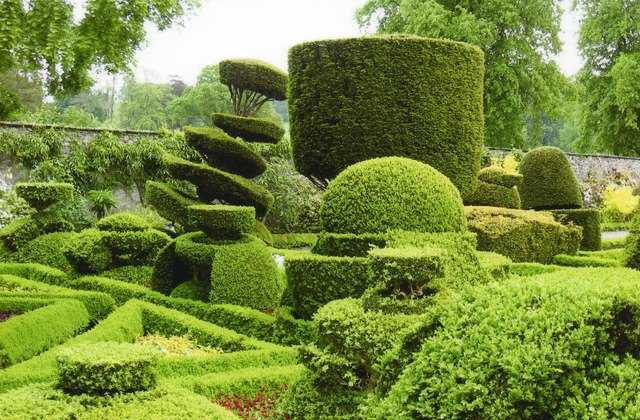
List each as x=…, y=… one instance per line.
x=256, y=76
x=222, y=222
x=135, y=274
x=523, y=236
x=88, y=252
x=123, y=222
x=107, y=368
x=48, y=250
x=585, y=261
x=252, y=130
x=36, y=272
x=348, y=244
x=497, y=175
x=42, y=195
x=171, y=203
x=381, y=194
x=346, y=105
x=493, y=195
x=588, y=220
x=632, y=245
x=548, y=181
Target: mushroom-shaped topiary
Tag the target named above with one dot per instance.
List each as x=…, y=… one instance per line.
x=382, y=194
x=548, y=181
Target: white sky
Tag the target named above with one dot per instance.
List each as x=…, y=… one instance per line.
x=266, y=29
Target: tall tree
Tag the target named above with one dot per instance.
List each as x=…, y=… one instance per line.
x=44, y=35
x=144, y=105
x=518, y=37
x=609, y=113
x=27, y=86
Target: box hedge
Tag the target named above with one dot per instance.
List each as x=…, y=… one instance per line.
x=221, y=221
x=169, y=202
x=106, y=368
x=348, y=244
x=499, y=176
x=35, y=271
x=548, y=181
x=387, y=193
x=225, y=152
x=588, y=220
x=41, y=195
x=493, y=195
x=123, y=222
x=346, y=105
x=256, y=76
x=252, y=130
x=523, y=236
x=47, y=249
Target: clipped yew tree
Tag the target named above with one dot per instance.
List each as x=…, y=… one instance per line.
x=496, y=188
x=220, y=260
x=549, y=183
x=356, y=99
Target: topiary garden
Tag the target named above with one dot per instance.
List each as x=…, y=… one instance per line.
x=430, y=288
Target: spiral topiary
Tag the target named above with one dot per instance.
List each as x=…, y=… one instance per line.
x=382, y=194
x=548, y=181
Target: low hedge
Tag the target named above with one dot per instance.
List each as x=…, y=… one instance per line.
x=294, y=240
x=169, y=202
x=193, y=290
x=225, y=152
x=19, y=232
x=588, y=220
x=523, y=236
x=24, y=336
x=497, y=265
x=583, y=261
x=36, y=272
x=106, y=368
x=123, y=222
x=41, y=195
x=214, y=184
x=136, y=274
x=252, y=130
x=527, y=269
x=314, y=280
x=348, y=244
x=493, y=195
x=256, y=76
x=221, y=221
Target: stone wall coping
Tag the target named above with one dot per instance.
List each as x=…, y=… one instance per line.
x=594, y=155
x=18, y=124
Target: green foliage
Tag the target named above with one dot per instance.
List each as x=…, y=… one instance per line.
x=143, y=106
x=123, y=222
x=224, y=152
x=222, y=222
x=34, y=271
x=294, y=240
x=245, y=274
x=493, y=195
x=527, y=269
x=589, y=221
x=41, y=328
x=88, y=253
x=252, y=130
x=169, y=202
x=67, y=48
x=584, y=261
x=497, y=265
x=135, y=274
x=42, y=195
x=262, y=232
x=46, y=249
x=107, y=368
x=515, y=90
x=314, y=280
x=381, y=194
x=523, y=236
x=19, y=232
x=9, y=103
x=194, y=290
x=215, y=184
x=348, y=244
x=101, y=202
x=135, y=248
x=548, y=181
x=346, y=105
x=499, y=176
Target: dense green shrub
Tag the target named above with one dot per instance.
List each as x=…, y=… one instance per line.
x=632, y=246
x=252, y=130
x=548, y=181
x=171, y=203
x=194, y=290
x=314, y=280
x=135, y=247
x=348, y=244
x=107, y=368
x=588, y=220
x=36, y=272
x=26, y=335
x=256, y=76
x=381, y=194
x=20, y=231
x=169, y=270
x=47, y=249
x=493, y=195
x=123, y=222
x=225, y=152
x=527, y=269
x=245, y=274
x=497, y=265
x=88, y=252
x=499, y=176
x=42, y=195
x=222, y=222
x=294, y=240
x=215, y=184
x=135, y=274
x=346, y=105
x=560, y=345
x=585, y=261
x=523, y=236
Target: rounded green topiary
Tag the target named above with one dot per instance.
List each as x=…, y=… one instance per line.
x=123, y=222
x=222, y=222
x=355, y=99
x=256, y=76
x=548, y=181
x=493, y=195
x=382, y=194
x=499, y=176
x=169, y=202
x=106, y=368
x=253, y=130
x=41, y=195
x=225, y=152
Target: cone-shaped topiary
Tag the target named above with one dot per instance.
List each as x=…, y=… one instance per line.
x=381, y=194
x=548, y=181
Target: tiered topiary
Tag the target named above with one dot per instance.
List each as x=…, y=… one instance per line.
x=355, y=99
x=40, y=196
x=223, y=263
x=549, y=183
x=372, y=203
x=496, y=188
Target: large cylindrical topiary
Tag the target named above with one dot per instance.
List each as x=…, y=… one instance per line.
x=382, y=194
x=548, y=181
x=355, y=99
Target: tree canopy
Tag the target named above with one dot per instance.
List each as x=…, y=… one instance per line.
x=609, y=113
x=66, y=43
x=518, y=38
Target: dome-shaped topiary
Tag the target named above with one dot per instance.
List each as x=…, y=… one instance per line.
x=548, y=181
x=381, y=194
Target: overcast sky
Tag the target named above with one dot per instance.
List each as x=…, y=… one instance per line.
x=266, y=29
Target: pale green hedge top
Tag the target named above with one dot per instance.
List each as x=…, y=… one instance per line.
x=256, y=76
